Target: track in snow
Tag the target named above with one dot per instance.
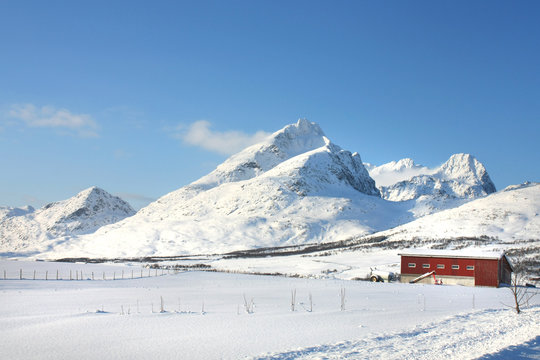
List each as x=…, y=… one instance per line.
x=466, y=336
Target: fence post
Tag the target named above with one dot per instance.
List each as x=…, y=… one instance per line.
x=34, y=278
x=20, y=274
x=47, y=275
x=56, y=274
x=4, y=274
x=92, y=275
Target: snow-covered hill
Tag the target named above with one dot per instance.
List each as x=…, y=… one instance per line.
x=26, y=229
x=510, y=215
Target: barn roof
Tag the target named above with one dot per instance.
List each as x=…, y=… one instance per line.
x=465, y=253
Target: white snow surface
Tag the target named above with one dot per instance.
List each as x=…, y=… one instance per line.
x=204, y=317
x=27, y=231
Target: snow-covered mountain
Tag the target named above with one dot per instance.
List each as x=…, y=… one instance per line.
x=295, y=187
x=461, y=177
x=26, y=229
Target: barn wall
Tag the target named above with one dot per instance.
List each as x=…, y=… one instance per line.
x=505, y=271
x=433, y=262
x=486, y=272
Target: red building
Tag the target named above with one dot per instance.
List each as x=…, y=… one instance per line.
x=456, y=267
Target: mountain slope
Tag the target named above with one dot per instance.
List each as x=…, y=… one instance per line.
x=29, y=230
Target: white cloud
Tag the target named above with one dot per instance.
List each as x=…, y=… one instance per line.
x=50, y=117
x=229, y=142
x=389, y=177
x=137, y=201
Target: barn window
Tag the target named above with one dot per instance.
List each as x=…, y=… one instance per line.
x=455, y=267
x=425, y=266
x=412, y=265
x=440, y=266
x=470, y=267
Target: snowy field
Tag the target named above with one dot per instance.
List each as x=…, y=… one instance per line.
x=205, y=317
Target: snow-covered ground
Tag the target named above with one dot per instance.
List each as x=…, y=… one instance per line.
x=205, y=318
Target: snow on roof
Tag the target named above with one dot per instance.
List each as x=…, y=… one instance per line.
x=465, y=253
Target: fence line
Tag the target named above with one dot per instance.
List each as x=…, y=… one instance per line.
x=79, y=275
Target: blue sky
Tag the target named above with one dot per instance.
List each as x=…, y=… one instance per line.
x=143, y=97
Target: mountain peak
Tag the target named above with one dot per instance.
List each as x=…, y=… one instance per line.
x=83, y=213
x=90, y=203
x=298, y=138
x=284, y=144
x=461, y=164
x=466, y=167
x=406, y=163
x=91, y=191
x=304, y=127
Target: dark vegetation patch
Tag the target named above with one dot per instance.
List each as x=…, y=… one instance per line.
x=526, y=252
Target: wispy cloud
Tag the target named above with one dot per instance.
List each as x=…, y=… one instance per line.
x=121, y=154
x=229, y=142
x=138, y=201
x=50, y=117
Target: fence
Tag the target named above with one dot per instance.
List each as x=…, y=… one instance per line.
x=79, y=275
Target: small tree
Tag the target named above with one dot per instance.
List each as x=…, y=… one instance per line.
x=248, y=305
x=293, y=300
x=520, y=292
x=342, y=298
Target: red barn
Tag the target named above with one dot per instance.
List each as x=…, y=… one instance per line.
x=456, y=267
